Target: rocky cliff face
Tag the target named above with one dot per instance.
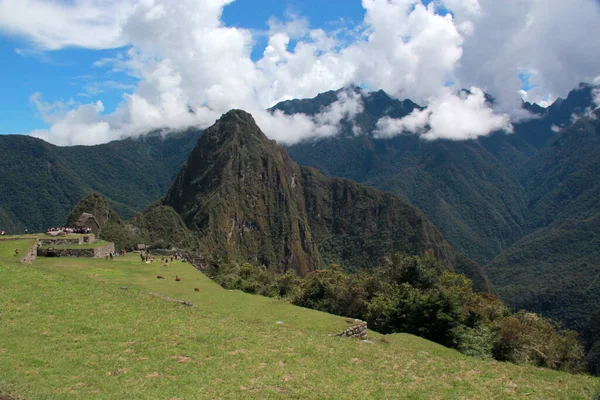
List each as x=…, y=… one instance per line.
x=243, y=196
x=248, y=201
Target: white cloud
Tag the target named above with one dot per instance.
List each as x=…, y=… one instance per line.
x=94, y=24
x=82, y=125
x=186, y=59
x=291, y=129
x=554, y=40
x=449, y=116
x=596, y=92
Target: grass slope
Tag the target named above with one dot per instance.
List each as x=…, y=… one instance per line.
x=70, y=332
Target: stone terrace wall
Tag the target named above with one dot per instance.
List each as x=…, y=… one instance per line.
x=50, y=252
x=58, y=240
x=98, y=252
x=358, y=331
x=102, y=251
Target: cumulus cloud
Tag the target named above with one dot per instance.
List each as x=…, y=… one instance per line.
x=192, y=68
x=94, y=24
x=456, y=117
x=553, y=40
x=596, y=92
x=289, y=129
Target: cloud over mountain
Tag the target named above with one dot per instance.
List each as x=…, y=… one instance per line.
x=191, y=67
x=448, y=116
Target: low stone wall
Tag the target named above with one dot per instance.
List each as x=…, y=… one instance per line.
x=98, y=252
x=31, y=254
x=49, y=241
x=103, y=251
x=358, y=331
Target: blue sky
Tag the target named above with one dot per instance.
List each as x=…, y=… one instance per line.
x=67, y=74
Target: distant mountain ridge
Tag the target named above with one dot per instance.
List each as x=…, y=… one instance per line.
x=40, y=182
x=246, y=200
x=484, y=195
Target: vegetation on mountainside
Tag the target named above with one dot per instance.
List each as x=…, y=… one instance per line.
x=462, y=186
x=591, y=337
x=161, y=227
x=555, y=270
x=40, y=182
x=418, y=295
x=69, y=331
x=156, y=227
x=95, y=204
x=490, y=194
x=247, y=201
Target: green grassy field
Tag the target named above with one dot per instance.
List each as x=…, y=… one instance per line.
x=69, y=331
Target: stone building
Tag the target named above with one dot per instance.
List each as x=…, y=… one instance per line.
x=89, y=221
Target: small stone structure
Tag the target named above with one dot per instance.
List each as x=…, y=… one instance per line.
x=358, y=331
x=184, y=302
x=87, y=220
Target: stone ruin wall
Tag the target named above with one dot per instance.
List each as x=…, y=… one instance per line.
x=31, y=254
x=49, y=241
x=103, y=251
x=358, y=331
x=56, y=240
x=89, y=238
x=50, y=252
x=98, y=252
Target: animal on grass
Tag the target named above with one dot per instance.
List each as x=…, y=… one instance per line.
x=196, y=289
x=160, y=277
x=17, y=252
x=177, y=278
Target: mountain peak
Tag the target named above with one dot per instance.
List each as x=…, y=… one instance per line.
x=246, y=200
x=237, y=114
x=237, y=125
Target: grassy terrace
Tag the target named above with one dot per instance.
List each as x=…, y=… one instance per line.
x=69, y=331
x=42, y=236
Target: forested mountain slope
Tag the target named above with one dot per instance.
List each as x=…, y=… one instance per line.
x=489, y=195
x=40, y=183
x=555, y=269
x=248, y=201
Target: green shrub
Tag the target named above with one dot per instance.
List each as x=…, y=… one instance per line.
x=527, y=338
x=475, y=342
